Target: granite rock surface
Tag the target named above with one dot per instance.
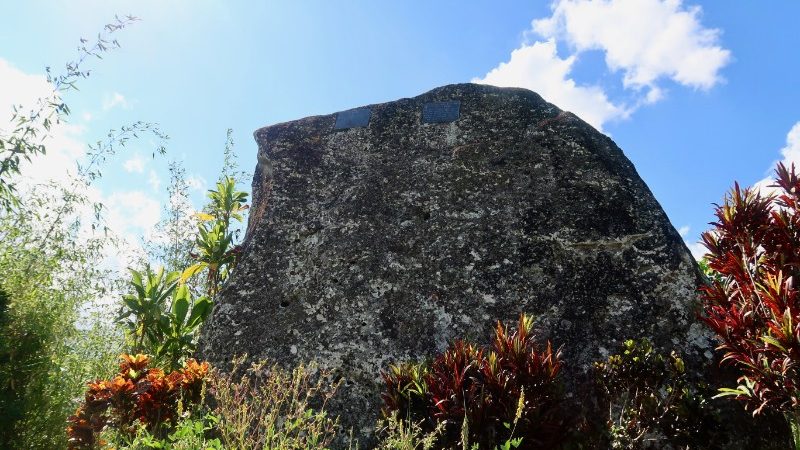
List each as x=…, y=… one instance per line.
x=368, y=245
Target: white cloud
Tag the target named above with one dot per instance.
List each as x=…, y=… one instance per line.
x=63, y=143
x=135, y=164
x=153, y=180
x=647, y=40
x=130, y=214
x=114, y=100
x=697, y=249
x=684, y=230
x=196, y=182
x=790, y=155
x=19, y=88
x=539, y=68
x=87, y=116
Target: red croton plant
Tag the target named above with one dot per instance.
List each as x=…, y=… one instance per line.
x=136, y=393
x=751, y=300
x=509, y=391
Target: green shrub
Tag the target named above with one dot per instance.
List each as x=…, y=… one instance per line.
x=45, y=358
x=162, y=317
x=193, y=431
x=404, y=434
x=215, y=253
x=651, y=403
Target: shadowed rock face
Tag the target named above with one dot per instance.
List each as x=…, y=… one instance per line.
x=378, y=244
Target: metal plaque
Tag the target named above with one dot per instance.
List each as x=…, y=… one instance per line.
x=441, y=112
x=353, y=118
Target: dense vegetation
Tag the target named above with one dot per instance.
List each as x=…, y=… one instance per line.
x=59, y=341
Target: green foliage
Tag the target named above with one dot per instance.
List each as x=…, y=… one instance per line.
x=230, y=165
x=54, y=336
x=183, y=319
x=650, y=401
x=161, y=315
x=710, y=274
x=193, y=432
x=215, y=252
x=44, y=357
x=174, y=235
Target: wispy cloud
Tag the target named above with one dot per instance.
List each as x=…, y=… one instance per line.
x=153, y=180
x=135, y=164
x=646, y=40
x=196, y=182
x=115, y=100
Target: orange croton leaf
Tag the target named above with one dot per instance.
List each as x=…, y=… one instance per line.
x=132, y=366
x=195, y=371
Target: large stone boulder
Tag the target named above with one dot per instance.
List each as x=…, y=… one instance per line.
x=380, y=234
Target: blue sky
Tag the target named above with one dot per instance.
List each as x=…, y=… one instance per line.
x=697, y=93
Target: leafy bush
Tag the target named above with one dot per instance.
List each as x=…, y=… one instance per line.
x=136, y=395
x=650, y=401
x=193, y=431
x=753, y=303
x=161, y=315
x=477, y=394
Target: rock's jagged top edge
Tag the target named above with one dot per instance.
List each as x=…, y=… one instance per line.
x=438, y=93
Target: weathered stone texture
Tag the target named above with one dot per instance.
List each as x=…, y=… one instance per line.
x=378, y=244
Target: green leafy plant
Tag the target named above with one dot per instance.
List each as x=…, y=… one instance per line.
x=143, y=310
x=180, y=325
x=650, y=401
x=476, y=393
x=162, y=316
x=193, y=431
x=752, y=303
x=215, y=252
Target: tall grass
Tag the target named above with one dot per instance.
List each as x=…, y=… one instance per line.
x=267, y=407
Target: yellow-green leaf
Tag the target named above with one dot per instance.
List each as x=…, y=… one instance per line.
x=191, y=271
